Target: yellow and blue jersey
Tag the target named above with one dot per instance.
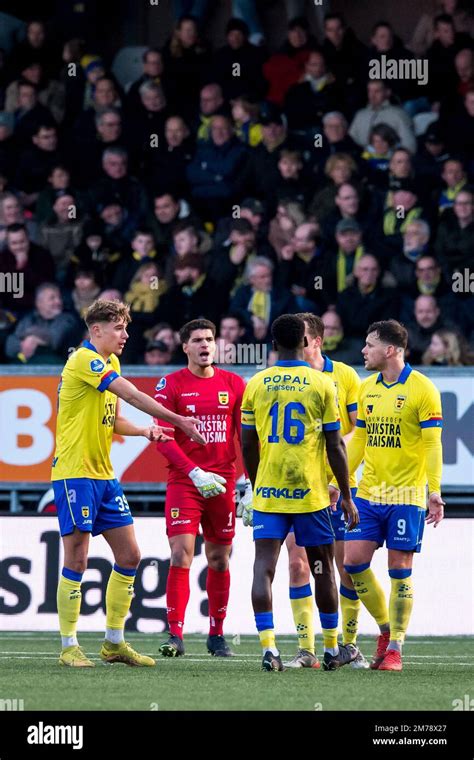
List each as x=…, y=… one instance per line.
x=347, y=384
x=290, y=406
x=86, y=416
x=393, y=417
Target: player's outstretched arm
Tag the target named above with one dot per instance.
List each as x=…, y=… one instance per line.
x=431, y=437
x=337, y=458
x=251, y=452
x=127, y=391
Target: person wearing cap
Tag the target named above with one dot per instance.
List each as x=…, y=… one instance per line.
x=402, y=208
x=157, y=354
x=263, y=166
x=238, y=50
x=342, y=260
x=93, y=68
x=428, y=161
x=195, y=294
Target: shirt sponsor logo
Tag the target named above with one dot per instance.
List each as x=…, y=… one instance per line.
x=223, y=397
x=282, y=493
x=161, y=384
x=180, y=522
x=96, y=365
x=400, y=402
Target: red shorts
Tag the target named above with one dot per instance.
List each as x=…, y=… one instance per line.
x=186, y=509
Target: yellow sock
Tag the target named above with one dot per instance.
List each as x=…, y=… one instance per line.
x=302, y=605
x=118, y=597
x=369, y=591
x=267, y=639
x=266, y=630
x=350, y=610
x=401, y=604
x=69, y=604
x=329, y=623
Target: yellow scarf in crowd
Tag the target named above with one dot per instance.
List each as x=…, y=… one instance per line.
x=342, y=267
x=259, y=305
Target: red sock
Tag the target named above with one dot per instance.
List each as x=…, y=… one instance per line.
x=217, y=586
x=177, y=598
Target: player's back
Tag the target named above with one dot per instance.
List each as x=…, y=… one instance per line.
x=86, y=416
x=291, y=405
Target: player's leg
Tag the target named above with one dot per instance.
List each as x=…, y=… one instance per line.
x=183, y=509
x=314, y=531
x=405, y=527
x=269, y=531
x=218, y=588
x=350, y=607
x=218, y=527
x=75, y=522
x=302, y=604
x=118, y=597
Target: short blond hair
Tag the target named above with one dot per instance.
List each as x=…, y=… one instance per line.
x=107, y=311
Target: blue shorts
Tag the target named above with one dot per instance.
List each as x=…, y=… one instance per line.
x=338, y=519
x=90, y=505
x=400, y=526
x=311, y=528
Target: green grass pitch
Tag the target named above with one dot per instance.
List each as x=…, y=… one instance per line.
x=436, y=672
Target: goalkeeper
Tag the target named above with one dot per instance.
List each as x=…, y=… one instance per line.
x=201, y=482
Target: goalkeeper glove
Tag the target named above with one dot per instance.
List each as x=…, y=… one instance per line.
x=207, y=483
x=244, y=507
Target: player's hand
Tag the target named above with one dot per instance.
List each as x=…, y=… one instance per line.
x=189, y=426
x=334, y=494
x=435, y=509
x=351, y=513
x=244, y=505
x=207, y=483
x=158, y=433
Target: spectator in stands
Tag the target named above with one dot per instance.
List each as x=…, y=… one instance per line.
x=380, y=110
x=245, y=114
x=248, y=57
x=427, y=320
x=105, y=95
x=216, y=172
x=186, y=239
x=36, y=47
x=88, y=149
x=186, y=58
x=62, y=233
x=285, y=68
x=283, y=225
x=194, y=295
x=366, y=301
x=145, y=289
x=36, y=162
x=94, y=255
x=441, y=54
x=384, y=42
x=118, y=226
x=157, y=354
x=11, y=212
x=416, y=238
x=74, y=86
x=231, y=331
x=464, y=65
x=401, y=209
x=165, y=167
x=454, y=178
x=117, y=184
x=261, y=301
x=164, y=333
x=423, y=34
x=290, y=184
x=22, y=257
x=447, y=349
x=301, y=263
x=229, y=260
x=29, y=113
x=335, y=139
x=314, y=95
x=461, y=131
x=167, y=210
x=347, y=206
x=263, y=165
x=85, y=291
x=340, y=168
x=143, y=252
x=429, y=161
x=378, y=152
x=51, y=93
x=152, y=72
x=341, y=260
x=146, y=131
x=454, y=242
x=59, y=180
x=44, y=336
x=346, y=59
x=211, y=103
x=335, y=344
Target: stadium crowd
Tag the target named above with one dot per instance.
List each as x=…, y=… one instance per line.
x=240, y=184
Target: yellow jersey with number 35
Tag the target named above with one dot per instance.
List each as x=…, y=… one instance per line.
x=86, y=416
x=290, y=406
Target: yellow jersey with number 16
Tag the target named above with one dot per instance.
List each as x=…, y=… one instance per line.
x=86, y=416
x=290, y=406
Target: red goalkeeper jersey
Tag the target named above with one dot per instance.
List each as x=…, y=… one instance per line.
x=216, y=402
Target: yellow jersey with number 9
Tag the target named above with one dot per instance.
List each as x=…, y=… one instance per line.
x=86, y=416
x=290, y=406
